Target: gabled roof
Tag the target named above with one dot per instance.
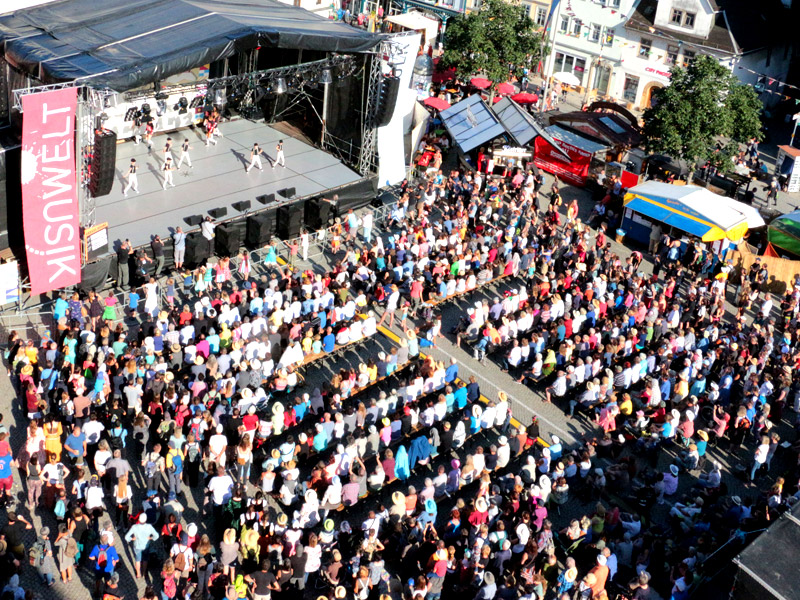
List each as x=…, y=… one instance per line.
x=740, y=26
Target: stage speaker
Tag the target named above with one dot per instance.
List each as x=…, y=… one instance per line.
x=197, y=249
x=287, y=192
x=218, y=213
x=390, y=86
x=260, y=229
x=227, y=239
x=242, y=206
x=103, y=162
x=318, y=212
x=193, y=220
x=290, y=220
x=266, y=198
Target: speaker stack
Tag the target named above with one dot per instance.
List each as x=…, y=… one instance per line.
x=228, y=238
x=260, y=229
x=318, y=212
x=103, y=162
x=290, y=220
x=197, y=249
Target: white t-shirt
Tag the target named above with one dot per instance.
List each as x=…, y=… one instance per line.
x=220, y=488
x=217, y=443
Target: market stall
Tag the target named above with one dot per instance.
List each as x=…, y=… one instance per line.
x=583, y=154
x=687, y=209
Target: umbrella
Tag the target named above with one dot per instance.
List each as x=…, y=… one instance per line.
x=480, y=83
x=525, y=98
x=496, y=99
x=436, y=103
x=505, y=88
x=567, y=78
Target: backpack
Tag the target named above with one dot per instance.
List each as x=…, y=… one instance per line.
x=180, y=560
x=193, y=453
x=195, y=429
x=60, y=509
x=115, y=441
x=72, y=548
x=102, y=559
x=36, y=554
x=150, y=469
x=170, y=587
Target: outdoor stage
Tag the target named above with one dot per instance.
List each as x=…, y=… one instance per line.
x=217, y=179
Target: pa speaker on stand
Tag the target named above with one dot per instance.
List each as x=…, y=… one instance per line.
x=260, y=229
x=197, y=250
x=103, y=162
x=290, y=220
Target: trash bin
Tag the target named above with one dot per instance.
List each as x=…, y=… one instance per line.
x=620, y=235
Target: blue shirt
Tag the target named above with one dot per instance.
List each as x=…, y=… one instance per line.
x=5, y=466
x=60, y=309
x=111, y=558
x=451, y=373
x=75, y=442
x=329, y=342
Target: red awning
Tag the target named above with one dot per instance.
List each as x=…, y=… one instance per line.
x=436, y=103
x=480, y=83
x=525, y=98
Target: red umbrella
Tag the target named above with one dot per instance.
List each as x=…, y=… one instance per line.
x=496, y=99
x=480, y=83
x=505, y=88
x=525, y=98
x=436, y=103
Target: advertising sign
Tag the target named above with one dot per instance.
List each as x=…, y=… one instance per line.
x=575, y=171
x=49, y=190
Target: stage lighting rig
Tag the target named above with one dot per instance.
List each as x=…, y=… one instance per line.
x=181, y=105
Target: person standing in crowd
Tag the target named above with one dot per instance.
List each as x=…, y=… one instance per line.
x=157, y=246
x=178, y=248
x=124, y=253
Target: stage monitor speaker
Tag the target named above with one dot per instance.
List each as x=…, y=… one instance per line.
x=242, y=206
x=288, y=192
x=193, y=220
x=290, y=220
x=197, y=250
x=318, y=212
x=260, y=229
x=227, y=239
x=218, y=213
x=390, y=86
x=266, y=198
x=103, y=162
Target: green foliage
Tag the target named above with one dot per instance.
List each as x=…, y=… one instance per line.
x=495, y=40
x=703, y=102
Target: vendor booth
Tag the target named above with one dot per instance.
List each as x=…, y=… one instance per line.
x=787, y=167
x=584, y=155
x=688, y=209
x=784, y=232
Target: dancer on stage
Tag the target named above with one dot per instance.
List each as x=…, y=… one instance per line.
x=133, y=179
x=168, y=168
x=279, y=158
x=168, y=149
x=211, y=125
x=255, y=158
x=185, y=147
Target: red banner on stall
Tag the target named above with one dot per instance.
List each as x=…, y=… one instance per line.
x=49, y=190
x=547, y=158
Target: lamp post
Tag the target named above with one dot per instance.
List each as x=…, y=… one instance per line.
x=548, y=71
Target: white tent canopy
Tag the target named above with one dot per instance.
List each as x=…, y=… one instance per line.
x=416, y=21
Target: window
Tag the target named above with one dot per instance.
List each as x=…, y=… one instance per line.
x=608, y=39
x=563, y=27
x=559, y=64
x=541, y=16
x=576, y=27
x=677, y=16
x=630, y=88
x=644, y=48
x=688, y=56
x=672, y=55
x=613, y=3
x=688, y=20
x=594, y=33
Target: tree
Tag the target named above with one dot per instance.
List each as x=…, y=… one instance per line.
x=703, y=103
x=497, y=39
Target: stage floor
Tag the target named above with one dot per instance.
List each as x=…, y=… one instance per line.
x=217, y=179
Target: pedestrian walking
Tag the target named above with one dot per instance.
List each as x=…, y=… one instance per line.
x=132, y=177
x=41, y=557
x=280, y=159
x=185, y=147
x=255, y=158
x=167, y=169
x=66, y=551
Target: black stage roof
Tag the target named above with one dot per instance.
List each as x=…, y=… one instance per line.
x=124, y=44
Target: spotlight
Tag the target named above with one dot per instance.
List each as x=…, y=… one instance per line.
x=182, y=105
x=161, y=107
x=280, y=85
x=145, y=109
x=197, y=101
x=131, y=114
x=326, y=77
x=162, y=96
x=220, y=97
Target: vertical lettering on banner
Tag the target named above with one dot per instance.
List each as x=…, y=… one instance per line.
x=49, y=192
